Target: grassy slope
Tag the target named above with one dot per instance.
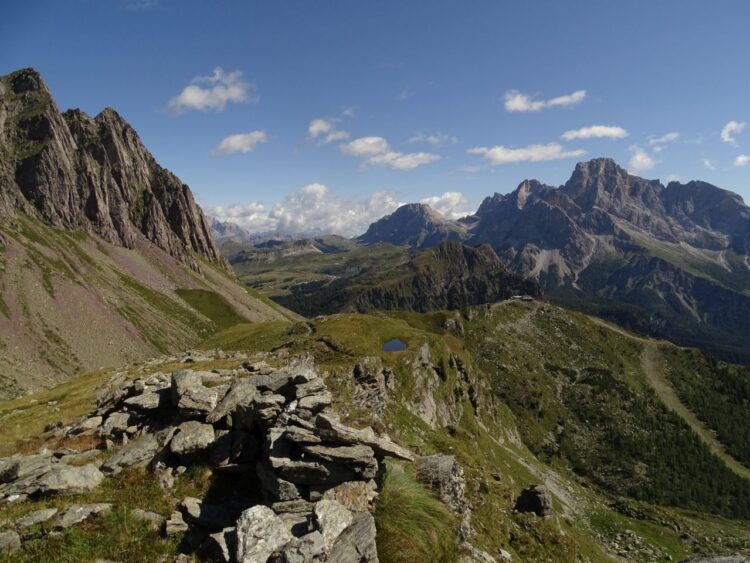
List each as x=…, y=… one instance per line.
x=137, y=304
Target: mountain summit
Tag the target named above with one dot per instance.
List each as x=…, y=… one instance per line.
x=92, y=174
x=416, y=225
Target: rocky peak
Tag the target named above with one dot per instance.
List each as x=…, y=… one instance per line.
x=597, y=182
x=94, y=175
x=414, y=224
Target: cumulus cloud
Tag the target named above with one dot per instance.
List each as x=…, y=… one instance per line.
x=595, y=132
x=730, y=130
x=312, y=209
x=640, y=160
x=435, y=139
x=742, y=160
x=708, y=164
x=376, y=151
x=533, y=153
x=242, y=142
x=213, y=93
x=518, y=101
x=452, y=205
x=323, y=131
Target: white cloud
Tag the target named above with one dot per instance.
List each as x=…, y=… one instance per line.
x=324, y=131
x=221, y=88
x=731, y=129
x=242, y=142
x=518, y=101
x=348, y=111
x=708, y=164
x=640, y=160
x=664, y=139
x=452, y=205
x=376, y=151
x=595, y=131
x=742, y=160
x=312, y=209
x=532, y=153
x=435, y=139
x=673, y=178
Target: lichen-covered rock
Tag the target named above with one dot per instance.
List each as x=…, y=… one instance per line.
x=63, y=478
x=191, y=437
x=260, y=532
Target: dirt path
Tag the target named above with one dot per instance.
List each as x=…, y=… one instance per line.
x=653, y=367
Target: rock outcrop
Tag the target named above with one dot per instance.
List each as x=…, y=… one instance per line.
x=535, y=499
x=305, y=482
x=92, y=174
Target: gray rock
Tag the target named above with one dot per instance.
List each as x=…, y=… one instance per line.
x=87, y=425
x=315, y=403
x=38, y=517
x=277, y=487
x=534, y=499
x=260, y=532
x=238, y=403
x=475, y=555
x=309, y=547
x=63, y=478
x=719, y=559
x=117, y=422
x=331, y=518
x=330, y=428
x=154, y=520
x=78, y=458
x=10, y=541
x=138, y=452
x=175, y=524
x=147, y=402
x=78, y=513
x=301, y=435
x=221, y=546
x=356, y=544
x=356, y=496
x=311, y=387
x=182, y=381
x=213, y=517
x=445, y=476
x=197, y=401
x=192, y=437
x=276, y=382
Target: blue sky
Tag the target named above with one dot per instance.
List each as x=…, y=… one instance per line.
x=418, y=98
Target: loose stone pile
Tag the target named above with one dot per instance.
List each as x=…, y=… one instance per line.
x=302, y=483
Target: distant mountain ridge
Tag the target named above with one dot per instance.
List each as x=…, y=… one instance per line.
x=670, y=260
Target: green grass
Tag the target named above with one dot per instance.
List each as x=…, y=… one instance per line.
x=213, y=306
x=412, y=524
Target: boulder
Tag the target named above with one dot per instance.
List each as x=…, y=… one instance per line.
x=356, y=544
x=78, y=513
x=197, y=401
x=356, y=496
x=260, y=532
x=175, y=524
x=305, y=549
x=330, y=428
x=331, y=518
x=147, y=402
x=10, y=542
x=182, y=381
x=87, y=425
x=238, y=403
x=444, y=475
x=315, y=403
x=534, y=499
x=63, y=478
x=116, y=423
x=154, y=520
x=138, y=452
x=35, y=518
x=191, y=437
x=277, y=382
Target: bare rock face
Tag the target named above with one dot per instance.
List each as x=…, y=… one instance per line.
x=92, y=174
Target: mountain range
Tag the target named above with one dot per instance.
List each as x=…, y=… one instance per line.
x=670, y=260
